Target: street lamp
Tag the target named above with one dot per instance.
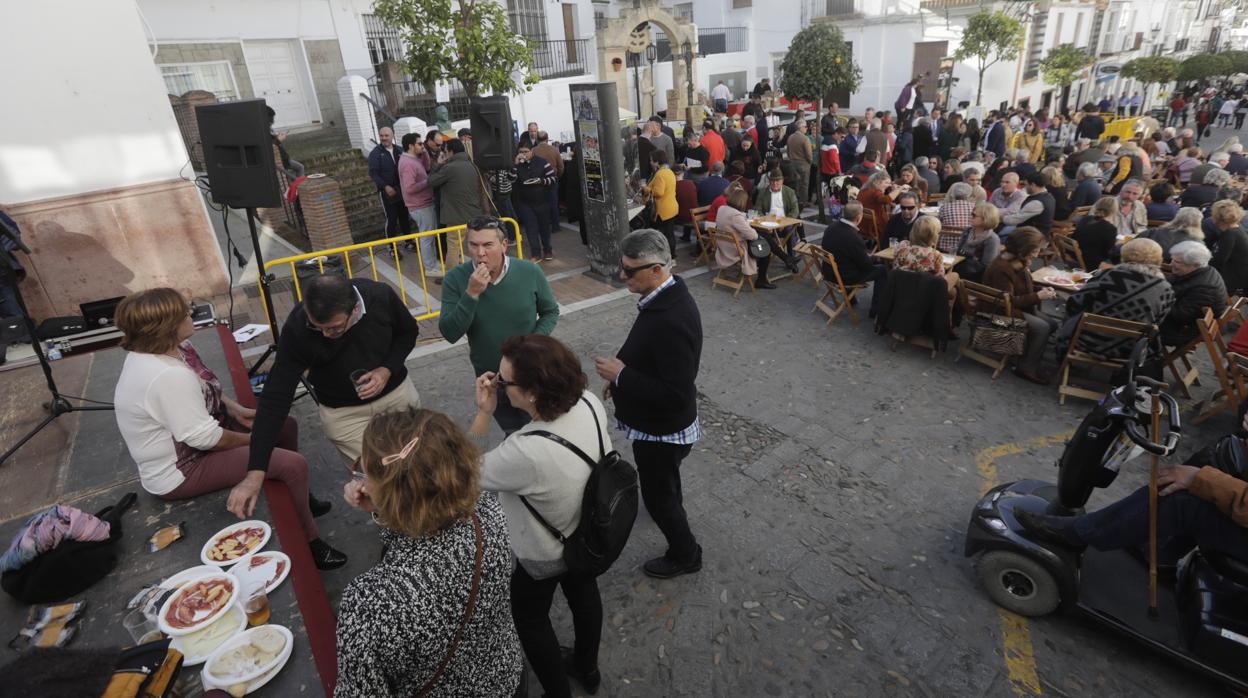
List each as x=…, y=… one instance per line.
x=687, y=50
x=635, y=59
x=652, y=54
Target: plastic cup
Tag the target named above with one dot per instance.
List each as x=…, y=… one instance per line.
x=256, y=603
x=141, y=627
x=356, y=377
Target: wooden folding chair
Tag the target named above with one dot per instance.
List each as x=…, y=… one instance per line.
x=840, y=293
x=1154, y=223
x=949, y=239
x=810, y=265
x=1230, y=379
x=1179, y=363
x=1105, y=327
x=1068, y=251
x=701, y=232
x=742, y=279
x=871, y=229
x=1080, y=212
x=984, y=299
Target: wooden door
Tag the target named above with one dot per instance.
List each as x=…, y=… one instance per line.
x=927, y=55
x=569, y=30
x=275, y=78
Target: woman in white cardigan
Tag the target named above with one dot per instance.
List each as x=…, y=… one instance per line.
x=543, y=377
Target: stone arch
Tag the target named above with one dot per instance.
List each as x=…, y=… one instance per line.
x=613, y=40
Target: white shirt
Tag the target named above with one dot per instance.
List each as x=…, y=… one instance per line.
x=721, y=91
x=777, y=203
x=159, y=404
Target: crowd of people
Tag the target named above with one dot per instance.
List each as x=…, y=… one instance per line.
x=473, y=539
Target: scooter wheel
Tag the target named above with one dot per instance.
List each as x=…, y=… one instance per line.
x=1017, y=583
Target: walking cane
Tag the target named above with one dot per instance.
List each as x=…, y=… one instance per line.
x=1152, y=510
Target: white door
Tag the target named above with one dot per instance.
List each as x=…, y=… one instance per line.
x=275, y=79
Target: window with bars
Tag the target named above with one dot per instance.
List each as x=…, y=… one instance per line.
x=528, y=18
x=216, y=77
x=383, y=42
x=737, y=4
x=683, y=10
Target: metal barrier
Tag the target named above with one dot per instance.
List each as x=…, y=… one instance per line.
x=1123, y=127
x=345, y=252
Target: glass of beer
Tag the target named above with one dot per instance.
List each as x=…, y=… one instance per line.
x=256, y=603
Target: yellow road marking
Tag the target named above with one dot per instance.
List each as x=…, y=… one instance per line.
x=1020, y=658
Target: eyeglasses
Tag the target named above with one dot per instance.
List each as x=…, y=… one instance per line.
x=630, y=272
x=502, y=382
x=335, y=331
x=906, y=208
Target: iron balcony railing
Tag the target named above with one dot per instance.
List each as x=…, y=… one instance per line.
x=710, y=41
x=835, y=8
x=561, y=59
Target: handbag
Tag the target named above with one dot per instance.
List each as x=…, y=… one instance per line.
x=472, y=605
x=758, y=248
x=970, y=268
x=998, y=334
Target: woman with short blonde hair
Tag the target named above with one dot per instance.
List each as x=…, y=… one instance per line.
x=979, y=240
x=1230, y=249
x=188, y=437
x=919, y=253
x=445, y=563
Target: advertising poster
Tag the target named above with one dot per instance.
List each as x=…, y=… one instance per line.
x=591, y=155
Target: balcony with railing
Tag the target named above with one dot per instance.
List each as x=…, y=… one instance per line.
x=561, y=59
x=835, y=9
x=711, y=41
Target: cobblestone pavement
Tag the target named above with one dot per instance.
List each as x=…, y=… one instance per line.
x=831, y=494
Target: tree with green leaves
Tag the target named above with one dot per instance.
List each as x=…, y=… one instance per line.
x=466, y=40
x=1204, y=66
x=989, y=38
x=1063, y=66
x=1151, y=70
x=819, y=61
x=1237, y=60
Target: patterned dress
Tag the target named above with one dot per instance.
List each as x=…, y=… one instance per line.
x=927, y=260
x=396, y=621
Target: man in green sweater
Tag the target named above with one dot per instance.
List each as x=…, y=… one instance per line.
x=491, y=298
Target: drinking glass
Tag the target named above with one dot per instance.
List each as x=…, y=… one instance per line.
x=142, y=628
x=256, y=603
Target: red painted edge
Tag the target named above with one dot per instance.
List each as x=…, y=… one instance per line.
x=318, y=615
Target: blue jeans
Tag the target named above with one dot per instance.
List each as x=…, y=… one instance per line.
x=1183, y=522
x=536, y=218
x=721, y=106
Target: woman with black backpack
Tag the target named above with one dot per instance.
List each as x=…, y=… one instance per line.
x=541, y=480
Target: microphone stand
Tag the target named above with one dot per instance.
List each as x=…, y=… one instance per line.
x=59, y=404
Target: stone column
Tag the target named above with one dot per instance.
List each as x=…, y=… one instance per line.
x=357, y=113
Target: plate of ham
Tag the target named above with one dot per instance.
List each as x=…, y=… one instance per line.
x=197, y=603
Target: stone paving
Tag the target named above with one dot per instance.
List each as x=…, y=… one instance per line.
x=831, y=494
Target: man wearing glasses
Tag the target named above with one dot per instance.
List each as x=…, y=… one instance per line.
x=652, y=380
x=351, y=337
x=899, y=224
x=491, y=298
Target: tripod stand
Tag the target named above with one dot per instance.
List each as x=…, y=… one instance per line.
x=59, y=404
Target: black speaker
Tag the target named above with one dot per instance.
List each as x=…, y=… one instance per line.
x=238, y=153
x=492, y=145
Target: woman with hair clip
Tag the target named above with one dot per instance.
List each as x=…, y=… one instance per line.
x=433, y=616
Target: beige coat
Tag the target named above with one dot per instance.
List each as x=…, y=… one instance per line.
x=730, y=220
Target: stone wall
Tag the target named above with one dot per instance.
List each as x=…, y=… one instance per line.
x=203, y=53
x=110, y=243
x=325, y=62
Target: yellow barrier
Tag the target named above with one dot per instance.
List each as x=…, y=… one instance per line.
x=346, y=250
x=1123, y=127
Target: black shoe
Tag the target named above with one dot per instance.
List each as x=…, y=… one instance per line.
x=764, y=285
x=791, y=263
x=319, y=507
x=325, y=557
x=666, y=568
x=1055, y=529
x=589, y=681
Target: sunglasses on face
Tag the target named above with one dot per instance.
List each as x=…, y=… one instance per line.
x=907, y=208
x=630, y=272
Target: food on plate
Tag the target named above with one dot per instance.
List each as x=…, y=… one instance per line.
x=1080, y=276
x=260, y=560
x=236, y=543
x=1058, y=280
x=238, y=690
x=262, y=647
x=202, y=643
x=198, y=600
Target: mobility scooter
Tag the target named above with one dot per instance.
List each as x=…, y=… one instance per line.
x=1201, y=617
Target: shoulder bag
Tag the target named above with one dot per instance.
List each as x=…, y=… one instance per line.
x=998, y=334
x=472, y=605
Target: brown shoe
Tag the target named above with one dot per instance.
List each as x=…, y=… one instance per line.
x=1032, y=377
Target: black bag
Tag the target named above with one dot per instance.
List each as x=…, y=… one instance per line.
x=608, y=508
x=758, y=248
x=71, y=566
x=970, y=268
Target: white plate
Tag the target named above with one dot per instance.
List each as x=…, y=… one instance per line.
x=769, y=224
x=255, y=679
x=212, y=541
x=235, y=618
x=187, y=575
x=242, y=570
x=206, y=620
x=949, y=259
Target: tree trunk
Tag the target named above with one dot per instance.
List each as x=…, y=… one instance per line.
x=979, y=91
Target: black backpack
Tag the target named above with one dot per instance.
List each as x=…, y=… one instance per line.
x=608, y=507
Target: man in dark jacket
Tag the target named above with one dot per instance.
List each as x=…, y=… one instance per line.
x=1036, y=211
x=1091, y=126
x=460, y=189
x=994, y=134
x=1196, y=286
x=10, y=236
x=899, y=224
x=830, y=121
x=844, y=241
x=652, y=380
x=383, y=168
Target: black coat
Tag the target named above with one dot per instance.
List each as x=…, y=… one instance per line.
x=914, y=304
x=849, y=250
x=1193, y=293
x=924, y=141
x=1096, y=238
x=656, y=393
x=1230, y=258
x=383, y=168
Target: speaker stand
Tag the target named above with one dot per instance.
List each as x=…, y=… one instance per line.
x=265, y=292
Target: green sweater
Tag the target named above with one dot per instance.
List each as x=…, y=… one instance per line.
x=521, y=303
